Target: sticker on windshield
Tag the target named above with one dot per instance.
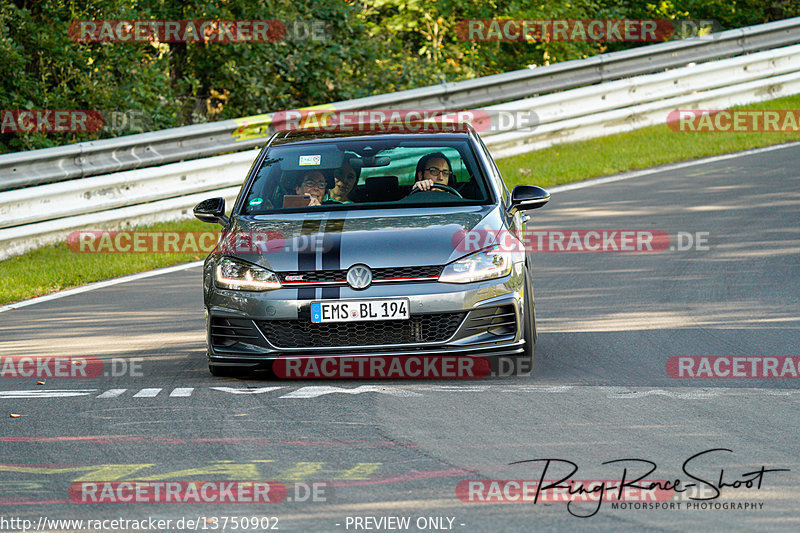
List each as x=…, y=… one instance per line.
x=307, y=160
x=256, y=201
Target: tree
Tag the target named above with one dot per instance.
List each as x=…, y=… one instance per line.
x=359, y=48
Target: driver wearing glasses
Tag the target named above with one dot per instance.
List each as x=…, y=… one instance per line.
x=313, y=185
x=433, y=169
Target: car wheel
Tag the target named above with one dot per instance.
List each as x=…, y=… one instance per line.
x=528, y=325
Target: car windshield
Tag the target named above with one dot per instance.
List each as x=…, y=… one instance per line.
x=365, y=173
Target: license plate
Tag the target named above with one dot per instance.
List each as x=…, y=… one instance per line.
x=359, y=310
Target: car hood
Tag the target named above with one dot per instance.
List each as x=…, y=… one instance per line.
x=336, y=240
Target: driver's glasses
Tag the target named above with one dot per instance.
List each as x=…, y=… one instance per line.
x=314, y=184
x=436, y=171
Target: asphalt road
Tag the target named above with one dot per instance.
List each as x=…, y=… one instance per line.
x=608, y=324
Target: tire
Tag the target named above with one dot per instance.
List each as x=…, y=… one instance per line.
x=528, y=326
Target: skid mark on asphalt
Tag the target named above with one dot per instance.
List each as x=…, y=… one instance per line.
x=540, y=388
x=251, y=441
x=613, y=392
x=344, y=474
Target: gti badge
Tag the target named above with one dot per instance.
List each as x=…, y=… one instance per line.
x=359, y=276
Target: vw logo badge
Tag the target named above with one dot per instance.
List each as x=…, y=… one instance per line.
x=359, y=276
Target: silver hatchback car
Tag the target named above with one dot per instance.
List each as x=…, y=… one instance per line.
x=365, y=245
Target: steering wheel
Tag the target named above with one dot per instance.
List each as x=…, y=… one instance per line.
x=445, y=188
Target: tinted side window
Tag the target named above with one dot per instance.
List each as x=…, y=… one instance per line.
x=494, y=172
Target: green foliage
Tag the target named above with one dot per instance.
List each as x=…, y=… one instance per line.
x=367, y=47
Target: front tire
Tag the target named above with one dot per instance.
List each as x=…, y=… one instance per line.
x=528, y=326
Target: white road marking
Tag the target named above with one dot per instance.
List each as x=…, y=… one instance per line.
x=254, y=390
x=147, y=393
x=313, y=392
x=52, y=393
x=406, y=391
x=553, y=190
x=112, y=393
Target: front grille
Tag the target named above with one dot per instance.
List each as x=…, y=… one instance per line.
x=227, y=332
x=317, y=276
x=500, y=320
x=407, y=272
x=418, y=329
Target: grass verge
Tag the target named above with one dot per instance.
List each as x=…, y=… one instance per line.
x=56, y=267
x=642, y=148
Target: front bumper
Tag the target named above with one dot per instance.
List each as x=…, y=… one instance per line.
x=250, y=330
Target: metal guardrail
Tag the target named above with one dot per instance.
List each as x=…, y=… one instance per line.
x=33, y=216
x=628, y=104
x=203, y=140
x=568, y=115
x=120, y=189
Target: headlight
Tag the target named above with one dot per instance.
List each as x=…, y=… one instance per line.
x=490, y=263
x=238, y=275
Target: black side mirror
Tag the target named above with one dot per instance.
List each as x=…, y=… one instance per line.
x=211, y=210
x=525, y=197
